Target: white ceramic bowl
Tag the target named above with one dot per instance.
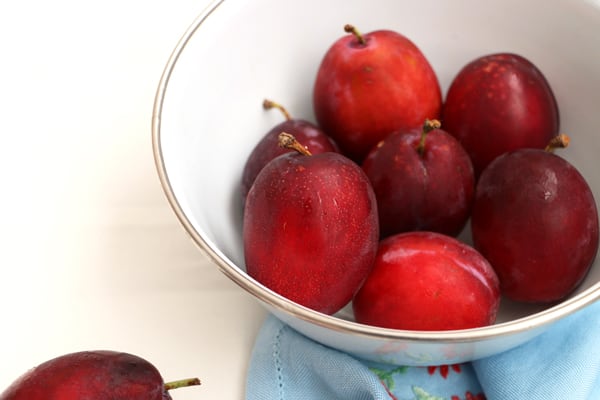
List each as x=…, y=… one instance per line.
x=208, y=117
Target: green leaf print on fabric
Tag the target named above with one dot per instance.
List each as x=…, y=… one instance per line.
x=387, y=376
x=421, y=394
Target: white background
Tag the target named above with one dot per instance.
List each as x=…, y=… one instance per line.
x=91, y=255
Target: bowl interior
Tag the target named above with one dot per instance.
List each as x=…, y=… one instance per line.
x=238, y=53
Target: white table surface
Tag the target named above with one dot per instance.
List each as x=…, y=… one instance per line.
x=91, y=255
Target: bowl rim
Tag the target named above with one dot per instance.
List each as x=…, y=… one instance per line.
x=278, y=302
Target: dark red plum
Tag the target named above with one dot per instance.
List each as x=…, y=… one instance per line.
x=306, y=132
x=423, y=180
x=93, y=375
x=498, y=103
x=535, y=219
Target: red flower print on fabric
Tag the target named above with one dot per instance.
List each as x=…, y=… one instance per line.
x=470, y=396
x=444, y=369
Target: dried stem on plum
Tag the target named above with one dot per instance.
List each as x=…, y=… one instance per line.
x=288, y=141
x=268, y=104
x=560, y=141
x=428, y=126
x=352, y=29
x=182, y=383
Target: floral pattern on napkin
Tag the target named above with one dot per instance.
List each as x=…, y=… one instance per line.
x=431, y=388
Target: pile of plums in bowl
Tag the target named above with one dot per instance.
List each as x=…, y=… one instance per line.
x=425, y=194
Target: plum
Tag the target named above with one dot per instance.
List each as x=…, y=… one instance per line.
x=368, y=86
x=93, y=375
x=428, y=281
x=535, y=219
x=423, y=180
x=306, y=132
x=498, y=103
x=310, y=227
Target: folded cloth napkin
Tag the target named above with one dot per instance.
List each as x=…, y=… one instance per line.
x=561, y=363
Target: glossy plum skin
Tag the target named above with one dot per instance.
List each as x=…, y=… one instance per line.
x=310, y=229
x=430, y=191
x=498, y=103
x=363, y=92
x=307, y=133
x=90, y=375
x=429, y=282
x=535, y=219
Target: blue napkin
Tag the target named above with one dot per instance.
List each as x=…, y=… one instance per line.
x=561, y=363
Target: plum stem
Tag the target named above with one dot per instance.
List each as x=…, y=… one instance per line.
x=288, y=141
x=560, y=141
x=428, y=126
x=182, y=383
x=269, y=104
x=352, y=29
